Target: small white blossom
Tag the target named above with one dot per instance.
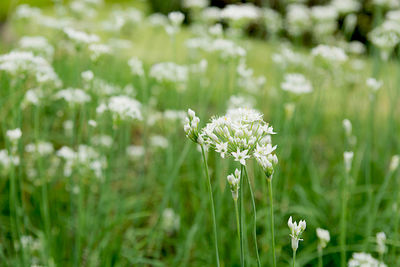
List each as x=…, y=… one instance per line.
x=374, y=84
x=348, y=159
x=323, y=237
x=295, y=232
x=394, y=163
x=296, y=83
x=234, y=181
x=381, y=243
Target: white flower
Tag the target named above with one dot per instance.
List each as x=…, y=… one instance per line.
x=98, y=50
x=191, y=126
x=170, y=221
x=240, y=13
x=394, y=163
x=136, y=66
x=346, y=6
x=330, y=54
x=234, y=181
x=381, y=243
x=241, y=156
x=169, y=72
x=298, y=19
x=386, y=37
x=135, y=151
x=42, y=148
x=122, y=108
x=374, y=84
x=87, y=76
x=323, y=237
x=38, y=45
x=198, y=4
x=6, y=160
x=296, y=83
x=295, y=232
x=81, y=37
x=159, y=141
x=73, y=96
x=14, y=135
x=348, y=159
x=176, y=17
x=362, y=259
x=347, y=127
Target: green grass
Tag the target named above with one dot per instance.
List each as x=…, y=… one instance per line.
x=117, y=221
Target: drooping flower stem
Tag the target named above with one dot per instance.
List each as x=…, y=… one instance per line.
x=238, y=231
x=255, y=217
x=271, y=217
x=210, y=194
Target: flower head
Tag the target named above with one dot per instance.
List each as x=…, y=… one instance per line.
x=191, y=127
x=234, y=181
x=323, y=237
x=295, y=231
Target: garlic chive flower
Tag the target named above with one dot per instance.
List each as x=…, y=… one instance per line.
x=362, y=259
x=14, y=135
x=242, y=134
x=323, y=238
x=191, y=127
x=234, y=181
x=348, y=159
x=394, y=163
x=381, y=243
x=295, y=232
x=374, y=84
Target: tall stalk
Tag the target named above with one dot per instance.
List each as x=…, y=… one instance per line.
x=238, y=231
x=255, y=218
x=242, y=262
x=210, y=195
x=343, y=222
x=294, y=258
x=271, y=217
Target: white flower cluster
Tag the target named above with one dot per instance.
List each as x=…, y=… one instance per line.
x=362, y=259
x=73, y=96
x=272, y=20
x=242, y=134
x=239, y=14
x=22, y=63
x=191, y=127
x=386, y=37
x=7, y=160
x=247, y=80
x=41, y=148
x=81, y=37
x=195, y=4
x=85, y=158
x=348, y=160
x=329, y=54
x=325, y=20
x=298, y=19
x=98, y=50
x=136, y=66
x=296, y=83
x=169, y=72
x=122, y=108
x=38, y=45
x=323, y=237
x=234, y=181
x=346, y=6
x=170, y=221
x=374, y=84
x=295, y=231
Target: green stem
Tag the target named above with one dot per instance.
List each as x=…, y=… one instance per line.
x=255, y=217
x=238, y=229
x=242, y=261
x=269, y=180
x=210, y=195
x=294, y=258
x=320, y=263
x=343, y=223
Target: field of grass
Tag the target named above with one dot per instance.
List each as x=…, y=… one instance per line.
x=111, y=189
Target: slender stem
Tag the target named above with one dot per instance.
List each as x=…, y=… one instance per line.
x=294, y=258
x=210, y=194
x=343, y=223
x=242, y=262
x=238, y=229
x=255, y=217
x=320, y=264
x=269, y=180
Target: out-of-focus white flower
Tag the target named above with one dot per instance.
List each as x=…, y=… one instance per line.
x=38, y=45
x=295, y=231
x=216, y=30
x=211, y=14
x=25, y=11
x=170, y=221
x=347, y=127
x=169, y=72
x=136, y=66
x=98, y=50
x=374, y=84
x=33, y=96
x=234, y=181
x=381, y=243
x=394, y=163
x=195, y=4
x=159, y=141
x=346, y=6
x=386, y=37
x=329, y=54
x=296, y=83
x=73, y=96
x=7, y=160
x=157, y=19
x=361, y=259
x=237, y=101
x=386, y=3
x=135, y=152
x=103, y=141
x=240, y=14
x=14, y=135
x=92, y=123
x=23, y=63
x=81, y=37
x=323, y=238
x=176, y=18
x=42, y=148
x=122, y=108
x=298, y=19
x=348, y=159
x=87, y=76
x=273, y=20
